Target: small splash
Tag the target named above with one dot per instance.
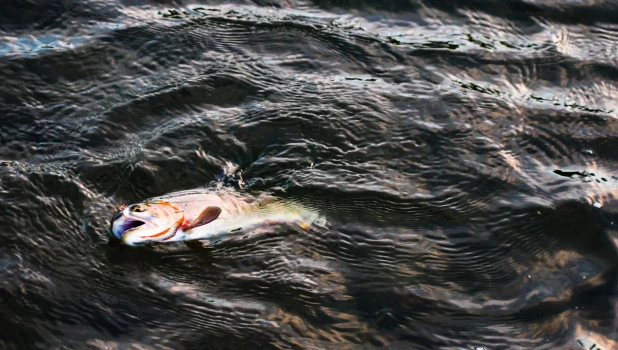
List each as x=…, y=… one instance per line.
x=230, y=176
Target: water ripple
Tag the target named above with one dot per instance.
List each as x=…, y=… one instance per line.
x=462, y=155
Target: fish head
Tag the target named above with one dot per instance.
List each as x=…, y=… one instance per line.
x=146, y=222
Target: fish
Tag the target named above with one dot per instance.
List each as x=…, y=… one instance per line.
x=204, y=214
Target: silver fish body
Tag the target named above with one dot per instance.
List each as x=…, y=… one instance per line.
x=203, y=214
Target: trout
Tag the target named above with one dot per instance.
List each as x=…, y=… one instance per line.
x=201, y=214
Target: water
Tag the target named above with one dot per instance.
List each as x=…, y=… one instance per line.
x=464, y=154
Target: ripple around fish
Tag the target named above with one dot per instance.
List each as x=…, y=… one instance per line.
x=54, y=220
x=430, y=142
x=601, y=11
x=55, y=242
x=569, y=235
x=257, y=271
x=18, y=15
x=242, y=33
x=570, y=78
x=364, y=281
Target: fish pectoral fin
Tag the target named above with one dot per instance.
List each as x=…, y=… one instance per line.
x=208, y=215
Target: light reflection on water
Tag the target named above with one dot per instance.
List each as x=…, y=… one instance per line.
x=464, y=157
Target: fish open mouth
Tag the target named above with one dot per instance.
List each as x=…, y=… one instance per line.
x=120, y=224
x=130, y=224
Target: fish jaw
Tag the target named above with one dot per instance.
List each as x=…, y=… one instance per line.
x=121, y=225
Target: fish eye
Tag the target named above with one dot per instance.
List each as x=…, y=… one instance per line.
x=136, y=209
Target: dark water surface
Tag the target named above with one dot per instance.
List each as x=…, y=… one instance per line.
x=464, y=153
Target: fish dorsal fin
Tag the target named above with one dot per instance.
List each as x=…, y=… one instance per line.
x=208, y=215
